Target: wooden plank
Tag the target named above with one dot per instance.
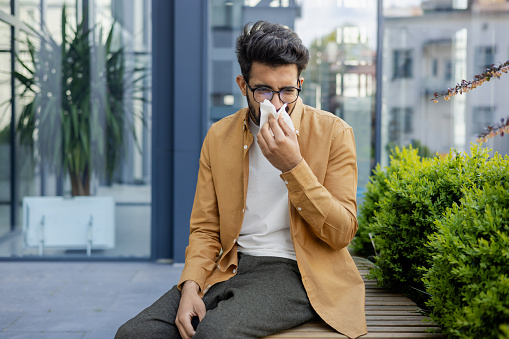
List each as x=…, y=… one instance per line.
x=293, y=334
x=321, y=335
x=389, y=303
x=400, y=335
x=374, y=296
x=384, y=297
x=390, y=312
x=397, y=318
x=319, y=328
x=396, y=322
x=402, y=329
x=411, y=308
x=377, y=290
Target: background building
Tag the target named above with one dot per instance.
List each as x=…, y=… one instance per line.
x=188, y=48
x=430, y=48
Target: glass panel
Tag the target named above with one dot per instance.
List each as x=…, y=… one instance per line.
x=5, y=38
x=430, y=47
x=5, y=126
x=87, y=134
x=340, y=77
x=5, y=6
x=29, y=12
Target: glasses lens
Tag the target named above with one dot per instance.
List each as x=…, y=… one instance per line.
x=261, y=94
x=289, y=95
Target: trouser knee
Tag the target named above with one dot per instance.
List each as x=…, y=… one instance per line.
x=125, y=332
x=134, y=329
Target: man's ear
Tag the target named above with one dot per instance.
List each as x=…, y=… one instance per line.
x=301, y=81
x=242, y=84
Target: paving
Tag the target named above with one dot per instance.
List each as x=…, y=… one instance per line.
x=70, y=300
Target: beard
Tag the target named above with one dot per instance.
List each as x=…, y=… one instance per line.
x=254, y=113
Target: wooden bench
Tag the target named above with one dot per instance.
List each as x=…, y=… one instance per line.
x=388, y=315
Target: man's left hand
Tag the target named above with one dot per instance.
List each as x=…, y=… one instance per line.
x=281, y=149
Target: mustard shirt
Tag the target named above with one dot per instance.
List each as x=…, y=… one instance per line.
x=322, y=207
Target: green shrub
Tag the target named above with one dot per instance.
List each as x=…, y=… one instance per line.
x=504, y=328
x=401, y=160
x=469, y=275
x=416, y=197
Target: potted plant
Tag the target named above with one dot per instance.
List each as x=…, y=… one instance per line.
x=75, y=120
x=76, y=111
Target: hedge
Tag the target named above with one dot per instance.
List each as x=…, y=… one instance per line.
x=401, y=160
x=417, y=196
x=405, y=207
x=469, y=276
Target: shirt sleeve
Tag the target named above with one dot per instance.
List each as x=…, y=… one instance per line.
x=330, y=208
x=204, y=242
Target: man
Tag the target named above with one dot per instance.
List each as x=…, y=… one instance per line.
x=273, y=213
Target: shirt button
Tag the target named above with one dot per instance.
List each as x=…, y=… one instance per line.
x=296, y=131
x=299, y=208
x=234, y=271
x=243, y=210
x=245, y=146
x=286, y=182
x=218, y=267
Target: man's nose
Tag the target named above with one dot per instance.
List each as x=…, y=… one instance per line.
x=276, y=101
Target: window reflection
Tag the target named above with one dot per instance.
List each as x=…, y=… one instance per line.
x=36, y=176
x=430, y=46
x=340, y=78
x=5, y=130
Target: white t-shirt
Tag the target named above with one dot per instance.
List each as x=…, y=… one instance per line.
x=266, y=227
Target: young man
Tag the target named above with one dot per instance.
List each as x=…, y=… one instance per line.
x=273, y=213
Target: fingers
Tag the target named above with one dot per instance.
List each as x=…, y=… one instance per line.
x=191, y=305
x=281, y=147
x=200, y=309
x=184, y=326
x=287, y=130
x=274, y=126
x=265, y=136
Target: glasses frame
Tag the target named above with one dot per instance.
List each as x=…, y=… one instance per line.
x=278, y=93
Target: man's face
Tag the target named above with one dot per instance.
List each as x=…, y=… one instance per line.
x=275, y=78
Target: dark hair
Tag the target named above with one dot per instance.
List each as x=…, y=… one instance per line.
x=272, y=45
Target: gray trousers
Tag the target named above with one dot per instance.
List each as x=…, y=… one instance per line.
x=266, y=296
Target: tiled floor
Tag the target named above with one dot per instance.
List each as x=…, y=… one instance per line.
x=77, y=299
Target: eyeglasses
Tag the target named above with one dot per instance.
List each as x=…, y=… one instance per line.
x=287, y=94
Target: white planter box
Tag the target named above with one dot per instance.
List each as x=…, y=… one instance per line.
x=69, y=223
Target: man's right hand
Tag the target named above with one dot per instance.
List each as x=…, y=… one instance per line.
x=191, y=305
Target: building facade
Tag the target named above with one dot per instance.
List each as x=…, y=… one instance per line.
x=177, y=65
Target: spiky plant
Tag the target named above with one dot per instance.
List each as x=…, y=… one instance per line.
x=76, y=113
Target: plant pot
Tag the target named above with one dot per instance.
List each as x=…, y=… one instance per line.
x=69, y=223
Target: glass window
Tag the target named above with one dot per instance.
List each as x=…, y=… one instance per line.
x=5, y=39
x=85, y=131
x=5, y=130
x=484, y=57
x=482, y=117
x=340, y=77
x=402, y=64
x=5, y=6
x=454, y=40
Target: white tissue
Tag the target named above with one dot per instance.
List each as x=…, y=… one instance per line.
x=267, y=108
